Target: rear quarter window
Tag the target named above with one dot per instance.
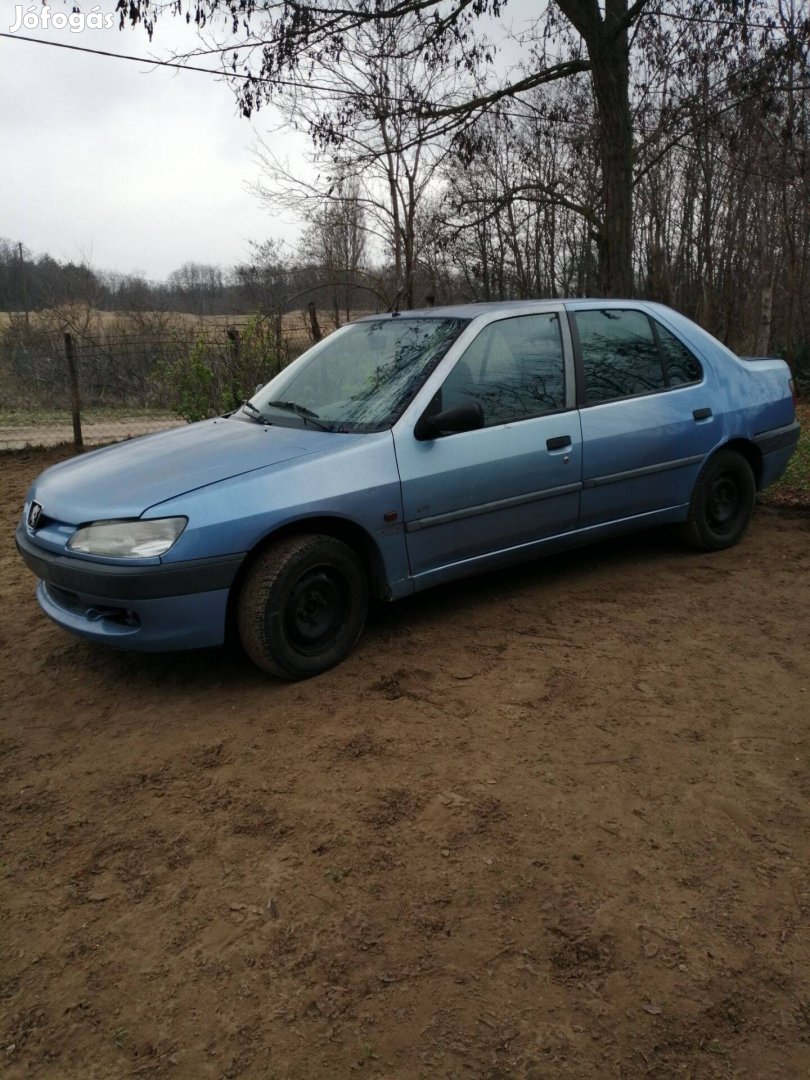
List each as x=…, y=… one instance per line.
x=681, y=364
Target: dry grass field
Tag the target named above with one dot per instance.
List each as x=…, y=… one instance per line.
x=68, y=317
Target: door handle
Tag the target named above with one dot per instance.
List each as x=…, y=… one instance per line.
x=559, y=442
x=701, y=414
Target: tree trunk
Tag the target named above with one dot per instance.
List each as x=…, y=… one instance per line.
x=610, y=78
x=766, y=314
x=766, y=262
x=609, y=54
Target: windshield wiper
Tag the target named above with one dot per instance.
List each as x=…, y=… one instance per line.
x=254, y=412
x=307, y=415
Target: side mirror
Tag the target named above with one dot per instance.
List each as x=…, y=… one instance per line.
x=465, y=417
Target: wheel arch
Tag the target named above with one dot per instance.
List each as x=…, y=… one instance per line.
x=748, y=450
x=349, y=532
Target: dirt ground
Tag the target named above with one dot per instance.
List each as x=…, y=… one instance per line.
x=550, y=823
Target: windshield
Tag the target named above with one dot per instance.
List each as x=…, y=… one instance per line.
x=360, y=378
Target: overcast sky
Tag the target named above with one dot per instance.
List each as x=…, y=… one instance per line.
x=126, y=166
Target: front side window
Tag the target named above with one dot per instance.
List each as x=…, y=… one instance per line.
x=514, y=370
x=620, y=356
x=361, y=378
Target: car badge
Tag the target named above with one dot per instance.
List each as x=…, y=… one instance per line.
x=34, y=514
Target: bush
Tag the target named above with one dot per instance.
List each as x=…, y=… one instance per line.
x=213, y=378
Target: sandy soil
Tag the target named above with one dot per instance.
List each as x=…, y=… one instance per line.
x=551, y=823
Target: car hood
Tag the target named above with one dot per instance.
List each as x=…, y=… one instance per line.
x=124, y=480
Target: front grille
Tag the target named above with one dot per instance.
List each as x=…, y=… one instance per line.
x=70, y=601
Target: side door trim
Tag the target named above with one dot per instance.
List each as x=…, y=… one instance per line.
x=489, y=507
x=645, y=470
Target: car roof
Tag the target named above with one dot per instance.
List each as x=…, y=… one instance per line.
x=486, y=307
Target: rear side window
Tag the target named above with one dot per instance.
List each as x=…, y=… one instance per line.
x=625, y=353
x=620, y=356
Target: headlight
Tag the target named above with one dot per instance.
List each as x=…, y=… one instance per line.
x=128, y=539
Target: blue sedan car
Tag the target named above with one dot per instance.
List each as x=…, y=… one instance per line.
x=403, y=451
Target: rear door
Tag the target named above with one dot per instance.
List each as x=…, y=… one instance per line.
x=646, y=413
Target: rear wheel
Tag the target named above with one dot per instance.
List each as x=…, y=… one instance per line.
x=302, y=606
x=722, y=502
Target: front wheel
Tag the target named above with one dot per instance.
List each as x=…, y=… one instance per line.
x=722, y=502
x=302, y=606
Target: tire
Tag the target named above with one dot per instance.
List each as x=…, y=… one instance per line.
x=722, y=502
x=302, y=606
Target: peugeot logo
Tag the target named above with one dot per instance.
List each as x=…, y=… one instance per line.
x=34, y=514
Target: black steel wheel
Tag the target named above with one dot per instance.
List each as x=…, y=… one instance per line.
x=722, y=502
x=302, y=606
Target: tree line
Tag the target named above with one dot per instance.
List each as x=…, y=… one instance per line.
x=329, y=268
x=654, y=148
x=35, y=282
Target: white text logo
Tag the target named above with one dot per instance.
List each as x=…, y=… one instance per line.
x=42, y=18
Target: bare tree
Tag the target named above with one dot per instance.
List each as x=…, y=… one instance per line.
x=199, y=285
x=370, y=152
x=335, y=241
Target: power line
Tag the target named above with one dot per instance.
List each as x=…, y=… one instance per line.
x=191, y=67
x=707, y=21
x=661, y=12
x=181, y=66
x=135, y=59
x=223, y=73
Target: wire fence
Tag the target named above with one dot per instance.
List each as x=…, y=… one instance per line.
x=113, y=378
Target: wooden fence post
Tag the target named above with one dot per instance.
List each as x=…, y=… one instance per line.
x=234, y=347
x=314, y=327
x=278, y=336
x=75, y=398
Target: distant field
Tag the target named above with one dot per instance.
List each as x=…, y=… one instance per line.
x=52, y=318
x=15, y=418
x=54, y=427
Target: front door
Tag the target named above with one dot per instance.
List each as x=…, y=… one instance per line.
x=481, y=497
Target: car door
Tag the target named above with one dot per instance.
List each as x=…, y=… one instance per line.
x=647, y=421
x=475, y=497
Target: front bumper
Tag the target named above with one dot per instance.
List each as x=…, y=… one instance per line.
x=152, y=608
